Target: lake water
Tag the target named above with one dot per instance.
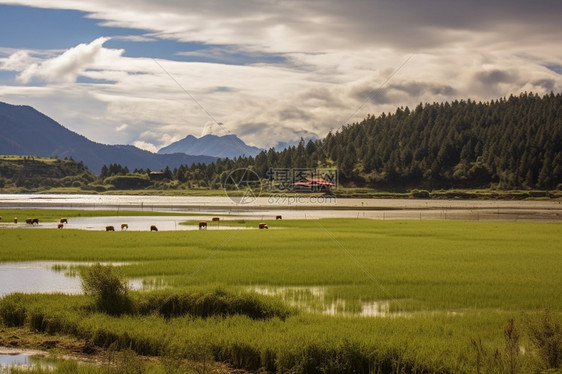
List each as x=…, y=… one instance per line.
x=305, y=207
x=41, y=277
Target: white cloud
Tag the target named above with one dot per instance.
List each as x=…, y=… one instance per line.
x=17, y=61
x=292, y=25
x=67, y=66
x=336, y=56
x=146, y=146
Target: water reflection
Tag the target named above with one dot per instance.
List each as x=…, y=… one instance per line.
x=23, y=361
x=313, y=299
x=46, y=277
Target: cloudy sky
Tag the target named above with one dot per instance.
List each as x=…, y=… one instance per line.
x=148, y=72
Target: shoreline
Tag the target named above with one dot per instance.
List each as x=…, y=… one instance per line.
x=264, y=208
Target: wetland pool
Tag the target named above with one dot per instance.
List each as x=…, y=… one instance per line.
x=10, y=358
x=313, y=300
x=46, y=277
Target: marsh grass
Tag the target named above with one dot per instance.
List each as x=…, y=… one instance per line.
x=205, y=304
x=456, y=282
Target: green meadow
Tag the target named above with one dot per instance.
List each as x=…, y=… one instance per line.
x=295, y=293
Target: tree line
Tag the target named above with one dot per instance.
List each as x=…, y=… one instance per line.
x=509, y=143
x=506, y=143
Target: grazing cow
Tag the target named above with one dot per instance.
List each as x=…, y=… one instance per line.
x=29, y=221
x=278, y=217
x=153, y=228
x=203, y=225
x=35, y=221
x=124, y=226
x=63, y=220
x=109, y=228
x=216, y=219
x=60, y=226
x=0, y=218
x=263, y=226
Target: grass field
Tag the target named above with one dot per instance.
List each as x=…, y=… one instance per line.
x=444, y=284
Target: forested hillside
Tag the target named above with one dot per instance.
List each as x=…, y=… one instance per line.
x=36, y=172
x=516, y=142
x=506, y=143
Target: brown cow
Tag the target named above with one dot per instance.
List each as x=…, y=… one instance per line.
x=203, y=225
x=278, y=217
x=63, y=220
x=153, y=228
x=124, y=226
x=60, y=226
x=109, y=228
x=15, y=219
x=263, y=226
x=29, y=221
x=215, y=219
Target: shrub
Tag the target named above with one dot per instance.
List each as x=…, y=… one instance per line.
x=109, y=289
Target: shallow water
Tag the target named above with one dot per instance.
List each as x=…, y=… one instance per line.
x=313, y=300
x=42, y=277
x=22, y=361
x=138, y=223
x=134, y=223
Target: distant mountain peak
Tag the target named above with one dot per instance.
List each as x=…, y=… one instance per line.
x=226, y=146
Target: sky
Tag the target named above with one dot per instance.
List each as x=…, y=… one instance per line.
x=149, y=73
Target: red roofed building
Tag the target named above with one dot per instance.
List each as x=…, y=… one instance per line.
x=312, y=185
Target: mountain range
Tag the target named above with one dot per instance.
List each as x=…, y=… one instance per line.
x=26, y=131
x=228, y=146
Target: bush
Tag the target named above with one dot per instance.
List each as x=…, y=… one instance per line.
x=109, y=289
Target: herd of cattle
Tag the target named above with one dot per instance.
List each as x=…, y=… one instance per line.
x=124, y=226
